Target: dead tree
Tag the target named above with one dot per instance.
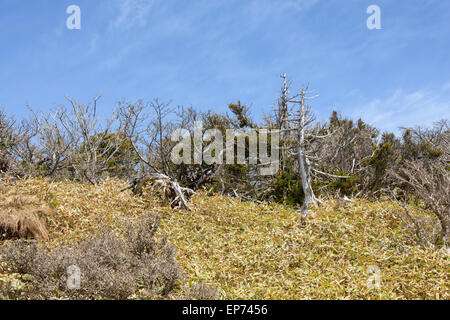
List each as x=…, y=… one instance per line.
x=300, y=122
x=305, y=140
x=282, y=121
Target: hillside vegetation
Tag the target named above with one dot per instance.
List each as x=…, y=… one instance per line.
x=153, y=203
x=246, y=250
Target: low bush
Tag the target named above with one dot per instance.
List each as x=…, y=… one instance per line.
x=111, y=266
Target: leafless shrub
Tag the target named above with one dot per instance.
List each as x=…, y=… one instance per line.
x=425, y=227
x=7, y=141
x=430, y=182
x=73, y=142
x=112, y=267
x=20, y=255
x=97, y=143
x=150, y=133
x=24, y=148
x=347, y=150
x=6, y=163
x=152, y=144
x=55, y=141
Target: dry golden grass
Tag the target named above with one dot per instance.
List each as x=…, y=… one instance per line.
x=265, y=251
x=80, y=208
x=261, y=251
x=23, y=217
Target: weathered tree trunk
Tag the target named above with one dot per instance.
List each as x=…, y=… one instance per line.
x=305, y=175
x=283, y=114
x=304, y=165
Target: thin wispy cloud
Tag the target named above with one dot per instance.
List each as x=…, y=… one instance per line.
x=131, y=13
x=404, y=109
x=263, y=10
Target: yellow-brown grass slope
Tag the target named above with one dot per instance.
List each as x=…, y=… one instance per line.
x=266, y=251
x=262, y=251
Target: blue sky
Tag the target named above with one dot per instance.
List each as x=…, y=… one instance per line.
x=208, y=53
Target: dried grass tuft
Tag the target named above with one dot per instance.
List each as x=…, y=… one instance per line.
x=23, y=217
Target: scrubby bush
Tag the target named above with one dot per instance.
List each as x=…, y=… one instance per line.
x=6, y=139
x=430, y=184
x=111, y=266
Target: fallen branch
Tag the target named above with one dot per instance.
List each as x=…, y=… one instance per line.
x=173, y=192
x=330, y=175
